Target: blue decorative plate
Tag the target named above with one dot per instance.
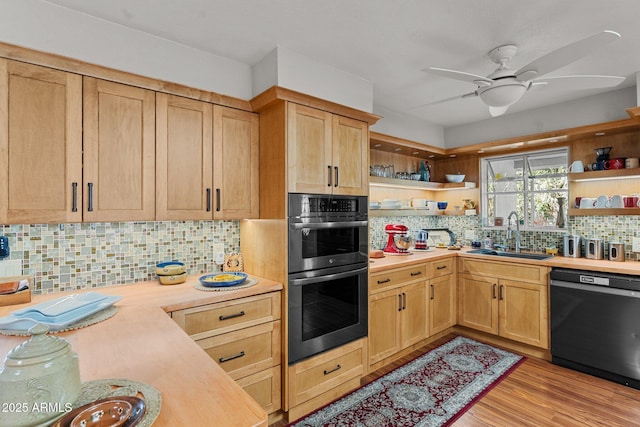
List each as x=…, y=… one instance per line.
x=223, y=279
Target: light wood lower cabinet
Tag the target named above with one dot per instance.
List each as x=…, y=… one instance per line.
x=506, y=300
x=244, y=337
x=319, y=380
x=442, y=303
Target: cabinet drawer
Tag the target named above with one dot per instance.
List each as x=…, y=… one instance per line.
x=315, y=376
x=397, y=277
x=441, y=267
x=246, y=351
x=510, y=270
x=264, y=387
x=214, y=319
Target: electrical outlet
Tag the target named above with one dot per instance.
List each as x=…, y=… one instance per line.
x=635, y=246
x=469, y=234
x=218, y=253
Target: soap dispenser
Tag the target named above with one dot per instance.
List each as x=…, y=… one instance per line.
x=488, y=242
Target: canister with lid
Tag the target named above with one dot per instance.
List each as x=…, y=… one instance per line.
x=594, y=249
x=616, y=251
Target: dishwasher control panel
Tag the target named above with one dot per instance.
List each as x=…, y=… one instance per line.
x=594, y=280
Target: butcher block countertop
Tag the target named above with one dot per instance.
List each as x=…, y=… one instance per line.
x=417, y=257
x=142, y=343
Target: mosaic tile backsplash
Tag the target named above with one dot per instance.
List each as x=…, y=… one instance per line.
x=67, y=257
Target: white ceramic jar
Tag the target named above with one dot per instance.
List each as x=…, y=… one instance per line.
x=39, y=380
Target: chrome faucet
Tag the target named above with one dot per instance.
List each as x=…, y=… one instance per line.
x=509, y=231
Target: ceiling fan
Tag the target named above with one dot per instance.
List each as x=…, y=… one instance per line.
x=504, y=87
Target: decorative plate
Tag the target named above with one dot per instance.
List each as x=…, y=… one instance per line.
x=223, y=279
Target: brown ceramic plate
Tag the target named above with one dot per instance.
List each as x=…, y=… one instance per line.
x=135, y=404
x=9, y=287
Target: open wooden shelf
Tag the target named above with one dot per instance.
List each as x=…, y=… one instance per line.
x=377, y=181
x=604, y=211
x=604, y=174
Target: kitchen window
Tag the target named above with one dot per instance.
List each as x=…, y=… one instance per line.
x=534, y=184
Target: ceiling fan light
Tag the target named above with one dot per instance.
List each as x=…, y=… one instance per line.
x=502, y=95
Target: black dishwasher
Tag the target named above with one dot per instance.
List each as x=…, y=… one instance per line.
x=595, y=324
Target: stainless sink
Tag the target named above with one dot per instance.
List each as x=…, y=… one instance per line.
x=522, y=255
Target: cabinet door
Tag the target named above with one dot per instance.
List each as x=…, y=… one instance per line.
x=384, y=318
x=414, y=314
x=40, y=144
x=184, y=153
x=236, y=163
x=309, y=161
x=119, y=152
x=523, y=312
x=478, y=303
x=350, y=156
x=442, y=308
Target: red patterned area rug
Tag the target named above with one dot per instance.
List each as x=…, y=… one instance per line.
x=431, y=390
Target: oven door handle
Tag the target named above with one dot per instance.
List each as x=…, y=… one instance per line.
x=337, y=224
x=327, y=278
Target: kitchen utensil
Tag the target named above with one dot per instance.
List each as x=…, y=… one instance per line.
x=42, y=369
x=616, y=201
x=138, y=409
x=614, y=164
x=170, y=267
x=587, y=203
x=110, y=413
x=598, y=165
x=603, y=153
x=421, y=239
x=454, y=177
x=577, y=166
x=572, y=246
x=173, y=279
x=442, y=205
x=616, y=251
x=223, y=279
x=397, y=246
x=602, y=202
x=631, y=162
x=630, y=201
x=594, y=249
x=419, y=203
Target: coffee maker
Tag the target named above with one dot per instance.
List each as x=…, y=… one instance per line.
x=398, y=242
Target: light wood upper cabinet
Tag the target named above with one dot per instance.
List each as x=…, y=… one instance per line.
x=326, y=153
x=40, y=144
x=236, y=163
x=184, y=158
x=119, y=152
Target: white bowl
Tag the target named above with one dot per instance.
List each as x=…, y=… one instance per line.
x=454, y=177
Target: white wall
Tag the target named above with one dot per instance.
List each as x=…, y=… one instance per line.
x=408, y=127
x=593, y=109
x=302, y=74
x=50, y=28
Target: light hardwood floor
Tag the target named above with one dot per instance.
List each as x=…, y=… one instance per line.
x=539, y=393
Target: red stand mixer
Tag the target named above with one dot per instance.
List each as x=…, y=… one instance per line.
x=399, y=242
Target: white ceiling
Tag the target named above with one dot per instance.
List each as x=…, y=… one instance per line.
x=389, y=42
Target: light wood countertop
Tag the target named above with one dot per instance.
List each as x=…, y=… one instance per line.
x=142, y=343
x=605, y=266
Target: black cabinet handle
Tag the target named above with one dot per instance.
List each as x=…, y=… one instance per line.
x=329, y=175
x=417, y=273
x=217, y=200
x=494, y=291
x=336, y=169
x=501, y=292
x=231, y=316
x=74, y=203
x=226, y=359
x=440, y=267
x=399, y=302
x=208, y=200
x=332, y=370
x=380, y=282
x=432, y=292
x=90, y=202
x=404, y=301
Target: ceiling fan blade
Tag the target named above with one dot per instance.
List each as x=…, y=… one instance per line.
x=497, y=111
x=565, y=55
x=582, y=82
x=466, y=95
x=460, y=75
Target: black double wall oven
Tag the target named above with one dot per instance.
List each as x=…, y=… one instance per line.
x=328, y=266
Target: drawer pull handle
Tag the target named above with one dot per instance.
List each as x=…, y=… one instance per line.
x=74, y=203
x=440, y=267
x=332, y=370
x=501, y=292
x=404, y=301
x=231, y=316
x=226, y=359
x=399, y=302
x=417, y=273
x=329, y=175
x=432, y=292
x=494, y=291
x=380, y=282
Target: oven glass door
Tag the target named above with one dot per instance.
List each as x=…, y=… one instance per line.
x=326, y=309
x=327, y=244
